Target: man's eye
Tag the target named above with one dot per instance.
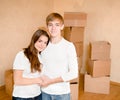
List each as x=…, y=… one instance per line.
x=57, y=25
x=49, y=24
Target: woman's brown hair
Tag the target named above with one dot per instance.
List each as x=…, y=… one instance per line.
x=31, y=52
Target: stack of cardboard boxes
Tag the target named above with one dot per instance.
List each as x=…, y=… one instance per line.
x=97, y=78
x=74, y=31
x=9, y=82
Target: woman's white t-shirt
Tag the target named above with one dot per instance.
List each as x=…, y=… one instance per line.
x=21, y=62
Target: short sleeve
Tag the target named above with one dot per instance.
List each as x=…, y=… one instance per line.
x=20, y=61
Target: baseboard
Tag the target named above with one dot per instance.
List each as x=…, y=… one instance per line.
x=114, y=83
x=2, y=87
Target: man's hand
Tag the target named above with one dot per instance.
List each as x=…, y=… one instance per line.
x=46, y=81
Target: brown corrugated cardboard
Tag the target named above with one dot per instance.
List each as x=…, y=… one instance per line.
x=74, y=91
x=76, y=80
x=79, y=59
x=75, y=19
x=9, y=82
x=97, y=85
x=79, y=48
x=100, y=50
x=74, y=34
x=98, y=68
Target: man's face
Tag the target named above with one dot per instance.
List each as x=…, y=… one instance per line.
x=55, y=28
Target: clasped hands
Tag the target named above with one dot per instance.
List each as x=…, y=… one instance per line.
x=45, y=81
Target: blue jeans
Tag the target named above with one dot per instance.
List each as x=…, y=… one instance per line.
x=46, y=96
x=34, y=98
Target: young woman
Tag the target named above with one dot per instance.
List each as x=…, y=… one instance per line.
x=27, y=68
x=60, y=61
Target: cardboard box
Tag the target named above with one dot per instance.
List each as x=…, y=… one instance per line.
x=74, y=91
x=79, y=48
x=74, y=34
x=75, y=19
x=100, y=50
x=79, y=59
x=75, y=81
x=99, y=85
x=98, y=68
x=9, y=82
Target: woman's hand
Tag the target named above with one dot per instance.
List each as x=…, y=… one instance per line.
x=46, y=81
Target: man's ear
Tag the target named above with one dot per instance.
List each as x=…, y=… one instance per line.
x=62, y=27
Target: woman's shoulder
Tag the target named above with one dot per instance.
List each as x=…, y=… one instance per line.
x=20, y=53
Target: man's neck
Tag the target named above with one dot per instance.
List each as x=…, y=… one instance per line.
x=55, y=40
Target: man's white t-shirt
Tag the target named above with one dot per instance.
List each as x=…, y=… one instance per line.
x=60, y=60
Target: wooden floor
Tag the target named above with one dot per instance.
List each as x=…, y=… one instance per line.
x=114, y=93
x=4, y=95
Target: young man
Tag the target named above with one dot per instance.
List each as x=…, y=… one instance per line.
x=59, y=61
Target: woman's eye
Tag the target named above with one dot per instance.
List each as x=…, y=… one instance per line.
x=39, y=41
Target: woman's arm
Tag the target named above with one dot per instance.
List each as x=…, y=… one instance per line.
x=20, y=80
x=47, y=81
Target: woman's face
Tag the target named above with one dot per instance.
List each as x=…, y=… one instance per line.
x=41, y=43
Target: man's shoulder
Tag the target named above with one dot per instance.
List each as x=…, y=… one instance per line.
x=65, y=40
x=68, y=43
